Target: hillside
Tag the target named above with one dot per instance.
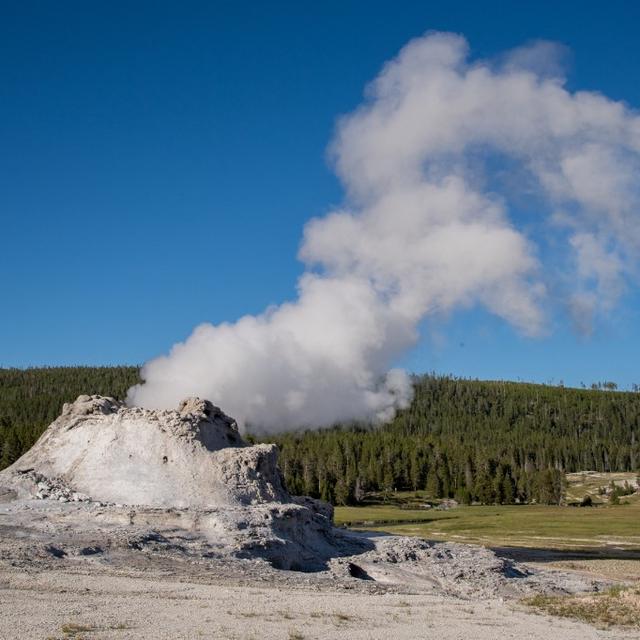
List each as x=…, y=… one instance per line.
x=477, y=441
x=30, y=399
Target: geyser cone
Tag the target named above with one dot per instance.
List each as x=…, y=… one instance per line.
x=191, y=457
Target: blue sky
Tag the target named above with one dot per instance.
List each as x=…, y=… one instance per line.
x=158, y=162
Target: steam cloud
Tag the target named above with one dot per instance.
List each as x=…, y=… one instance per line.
x=438, y=164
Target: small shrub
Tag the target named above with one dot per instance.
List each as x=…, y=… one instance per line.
x=72, y=628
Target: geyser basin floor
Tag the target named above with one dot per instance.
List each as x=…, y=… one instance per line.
x=204, y=547
x=172, y=602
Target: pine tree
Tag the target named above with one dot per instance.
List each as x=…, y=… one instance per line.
x=434, y=486
x=11, y=449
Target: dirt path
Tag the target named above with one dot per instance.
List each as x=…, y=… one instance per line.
x=56, y=604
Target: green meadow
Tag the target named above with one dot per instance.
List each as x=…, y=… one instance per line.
x=604, y=526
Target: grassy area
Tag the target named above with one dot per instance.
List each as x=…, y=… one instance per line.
x=533, y=526
x=513, y=525
x=607, y=568
x=618, y=606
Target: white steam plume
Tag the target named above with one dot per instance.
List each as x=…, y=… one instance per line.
x=434, y=164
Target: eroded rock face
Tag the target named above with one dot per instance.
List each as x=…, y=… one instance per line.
x=190, y=458
x=115, y=471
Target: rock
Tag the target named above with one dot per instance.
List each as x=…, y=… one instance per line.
x=86, y=405
x=190, y=458
x=456, y=569
x=185, y=468
x=56, y=552
x=90, y=551
x=447, y=504
x=183, y=486
x=317, y=506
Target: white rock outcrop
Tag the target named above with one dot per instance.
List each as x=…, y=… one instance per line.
x=182, y=487
x=193, y=457
x=123, y=472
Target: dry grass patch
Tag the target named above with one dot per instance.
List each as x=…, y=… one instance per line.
x=73, y=629
x=243, y=614
x=343, y=617
x=76, y=630
x=619, y=606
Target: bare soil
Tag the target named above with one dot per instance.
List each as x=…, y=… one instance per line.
x=101, y=603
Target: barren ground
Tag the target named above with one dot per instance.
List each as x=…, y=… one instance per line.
x=99, y=603
x=188, y=562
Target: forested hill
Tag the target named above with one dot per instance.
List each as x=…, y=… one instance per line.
x=30, y=399
x=487, y=441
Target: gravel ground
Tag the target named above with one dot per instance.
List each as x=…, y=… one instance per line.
x=67, y=571
x=56, y=604
x=609, y=569
x=217, y=548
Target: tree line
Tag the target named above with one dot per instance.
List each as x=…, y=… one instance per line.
x=488, y=442
x=31, y=399
x=477, y=441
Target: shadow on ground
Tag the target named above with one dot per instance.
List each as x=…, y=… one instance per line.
x=542, y=554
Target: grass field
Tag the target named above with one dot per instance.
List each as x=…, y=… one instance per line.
x=532, y=526
x=603, y=540
x=513, y=525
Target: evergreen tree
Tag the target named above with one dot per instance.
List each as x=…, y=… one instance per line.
x=482, y=441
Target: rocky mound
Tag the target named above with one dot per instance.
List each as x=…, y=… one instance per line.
x=101, y=454
x=190, y=458
x=116, y=483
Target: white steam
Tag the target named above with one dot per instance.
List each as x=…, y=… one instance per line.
x=436, y=165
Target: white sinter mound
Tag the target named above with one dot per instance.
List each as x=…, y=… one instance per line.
x=187, y=469
x=190, y=458
x=109, y=482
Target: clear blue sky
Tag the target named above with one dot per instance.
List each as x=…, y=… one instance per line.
x=158, y=162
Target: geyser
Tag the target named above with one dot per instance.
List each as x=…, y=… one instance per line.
x=179, y=490
x=185, y=473
x=437, y=164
